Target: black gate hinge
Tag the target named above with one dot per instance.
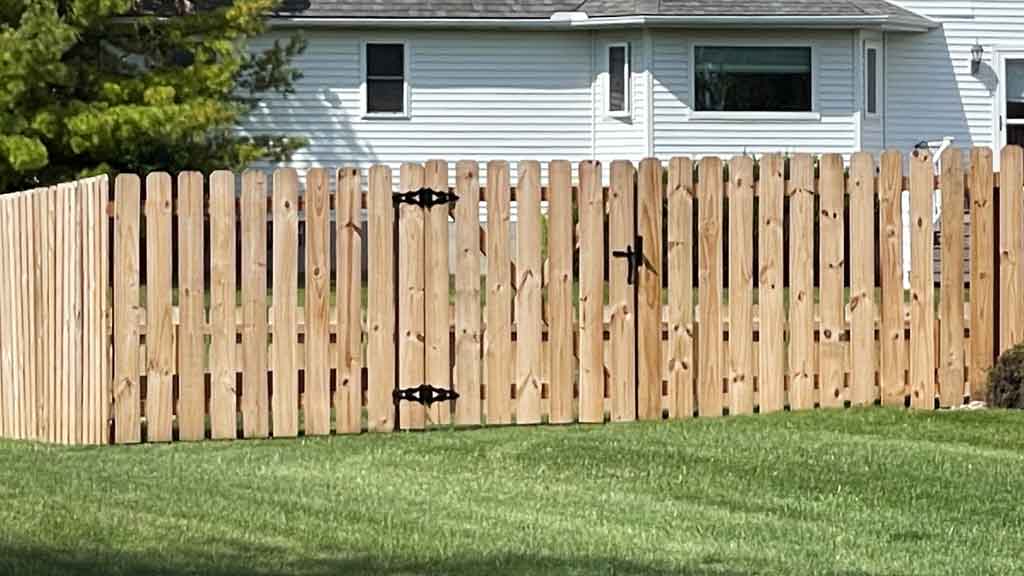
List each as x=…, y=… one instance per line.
x=424, y=394
x=634, y=258
x=425, y=198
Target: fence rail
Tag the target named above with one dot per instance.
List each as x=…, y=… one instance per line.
x=238, y=305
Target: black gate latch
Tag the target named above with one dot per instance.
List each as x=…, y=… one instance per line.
x=425, y=198
x=634, y=258
x=424, y=394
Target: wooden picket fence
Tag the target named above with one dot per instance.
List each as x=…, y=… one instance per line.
x=228, y=307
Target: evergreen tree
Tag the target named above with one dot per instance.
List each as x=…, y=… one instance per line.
x=92, y=86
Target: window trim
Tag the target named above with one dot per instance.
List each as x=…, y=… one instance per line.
x=627, y=110
x=405, y=114
x=877, y=47
x=811, y=115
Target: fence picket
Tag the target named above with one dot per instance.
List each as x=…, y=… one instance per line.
x=7, y=381
x=771, y=336
x=922, y=308
x=468, y=336
x=983, y=320
x=1011, y=247
x=650, y=273
x=42, y=318
x=380, y=345
x=498, y=331
x=255, y=390
x=862, y=279
x=284, y=400
x=348, y=399
x=411, y=286
x=191, y=308
x=830, y=270
x=437, y=322
x=528, y=305
x=741, y=301
x=892, y=380
x=560, y=296
x=223, y=400
x=591, y=289
x=127, y=427
x=622, y=234
x=801, y=279
x=316, y=401
x=951, y=298
x=709, y=282
x=159, y=330
x=681, y=366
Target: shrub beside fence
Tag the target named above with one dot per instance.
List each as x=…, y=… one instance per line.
x=219, y=335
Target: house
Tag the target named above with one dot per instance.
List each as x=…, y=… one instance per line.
x=410, y=80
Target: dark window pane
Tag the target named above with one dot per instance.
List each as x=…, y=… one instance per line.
x=385, y=60
x=385, y=95
x=872, y=83
x=1015, y=89
x=617, y=79
x=1015, y=134
x=752, y=79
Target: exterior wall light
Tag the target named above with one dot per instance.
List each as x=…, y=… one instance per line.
x=977, y=51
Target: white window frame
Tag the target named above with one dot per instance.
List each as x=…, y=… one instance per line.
x=877, y=47
x=1000, y=124
x=809, y=116
x=626, y=112
x=363, y=92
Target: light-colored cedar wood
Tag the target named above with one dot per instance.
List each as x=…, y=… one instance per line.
x=159, y=329
x=316, y=405
x=951, y=299
x=709, y=283
x=73, y=290
x=14, y=253
x=41, y=322
x=680, y=288
x=467, y=294
x=528, y=295
x=191, y=309
x=437, y=322
x=830, y=271
x=54, y=330
x=348, y=398
x=591, y=292
x=106, y=313
x=622, y=294
x=285, y=391
x=983, y=319
x=560, y=310
x=771, y=336
x=1011, y=248
x=741, y=278
x=127, y=427
x=93, y=279
x=380, y=345
x=498, y=335
x=801, y=279
x=255, y=390
x=892, y=377
x=223, y=397
x=6, y=379
x=862, y=279
x=922, y=307
x=46, y=313
x=411, y=304
x=86, y=287
x=651, y=272
x=24, y=250
x=66, y=233
x=61, y=361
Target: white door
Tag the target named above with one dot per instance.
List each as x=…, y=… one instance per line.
x=1011, y=97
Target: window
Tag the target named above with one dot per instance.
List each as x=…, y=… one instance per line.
x=618, y=79
x=752, y=79
x=872, y=80
x=385, y=79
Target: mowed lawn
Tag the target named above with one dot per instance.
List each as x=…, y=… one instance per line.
x=853, y=492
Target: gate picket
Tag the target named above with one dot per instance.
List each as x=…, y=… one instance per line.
x=709, y=281
x=411, y=321
x=801, y=282
x=830, y=271
x=380, y=345
x=316, y=405
x=255, y=389
x=348, y=399
x=680, y=288
x=621, y=294
x=528, y=295
x=591, y=304
x=498, y=332
x=284, y=399
x=1011, y=247
x=436, y=279
x=922, y=309
x=467, y=294
x=862, y=279
x=891, y=351
x=771, y=336
x=159, y=329
x=191, y=309
x=127, y=427
x=223, y=401
x=560, y=306
x=983, y=321
x=650, y=273
x=741, y=302
x=951, y=297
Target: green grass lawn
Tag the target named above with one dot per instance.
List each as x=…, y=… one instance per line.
x=856, y=492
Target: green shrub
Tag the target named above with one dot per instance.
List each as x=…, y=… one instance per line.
x=1006, y=380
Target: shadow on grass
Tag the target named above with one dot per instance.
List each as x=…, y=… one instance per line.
x=43, y=561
